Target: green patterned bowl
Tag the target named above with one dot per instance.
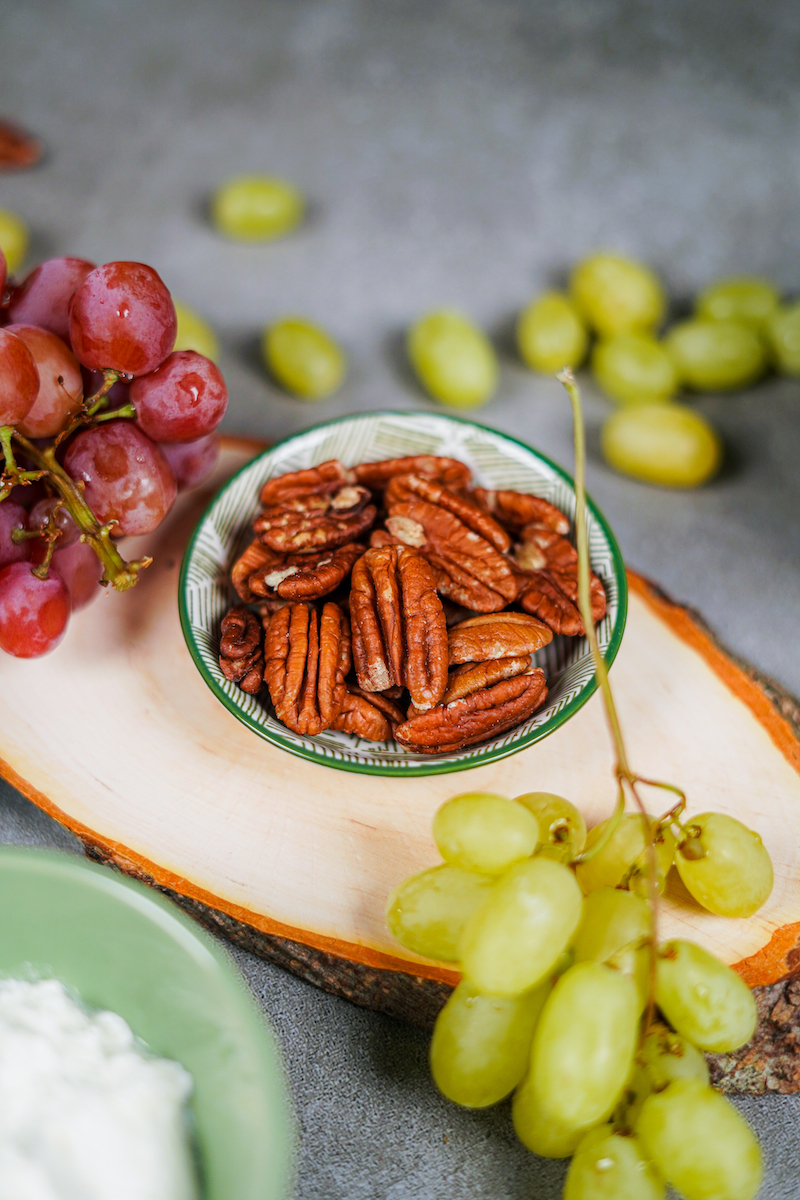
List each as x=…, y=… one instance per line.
x=497, y=461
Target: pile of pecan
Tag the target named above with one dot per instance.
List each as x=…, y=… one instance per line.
x=435, y=596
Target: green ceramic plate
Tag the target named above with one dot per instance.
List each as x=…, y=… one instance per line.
x=122, y=947
x=497, y=461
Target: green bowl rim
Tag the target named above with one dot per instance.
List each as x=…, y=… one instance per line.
x=400, y=772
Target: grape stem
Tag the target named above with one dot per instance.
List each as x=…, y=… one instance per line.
x=91, y=405
x=12, y=475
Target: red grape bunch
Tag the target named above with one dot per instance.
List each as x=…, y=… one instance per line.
x=101, y=424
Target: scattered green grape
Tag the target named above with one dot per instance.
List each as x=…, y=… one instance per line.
x=616, y=294
x=303, y=358
x=427, y=912
x=665, y=1055
x=734, y=877
x=537, y=1129
x=703, y=999
x=551, y=334
x=562, y=828
x=256, y=208
x=584, y=1044
x=666, y=444
x=481, y=1044
x=194, y=333
x=13, y=240
x=610, y=1166
x=782, y=332
x=624, y=854
x=453, y=359
x=700, y=1143
x=480, y=831
x=611, y=919
x=634, y=368
x=716, y=356
x=745, y=299
x=516, y=935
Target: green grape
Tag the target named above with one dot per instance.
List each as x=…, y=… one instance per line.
x=611, y=919
x=13, y=240
x=522, y=927
x=536, y=1128
x=635, y=369
x=666, y=444
x=427, y=912
x=256, y=208
x=703, y=999
x=610, y=1166
x=637, y=1089
x=716, y=356
x=624, y=854
x=481, y=1044
x=665, y=1055
x=454, y=359
x=616, y=294
x=551, y=334
x=194, y=333
x=634, y=961
x=745, y=299
x=700, y=1143
x=734, y=876
x=303, y=358
x=480, y=831
x=561, y=826
x=783, y=338
x=584, y=1044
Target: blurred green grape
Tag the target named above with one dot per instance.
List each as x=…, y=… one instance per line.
x=454, y=360
x=562, y=829
x=665, y=444
x=703, y=999
x=303, y=358
x=257, y=208
x=612, y=918
x=744, y=298
x=664, y=1055
x=626, y=849
x=782, y=332
x=716, y=356
x=634, y=368
x=726, y=866
x=609, y=1166
x=551, y=334
x=480, y=831
x=194, y=333
x=427, y=912
x=616, y=294
x=13, y=240
x=537, y=1129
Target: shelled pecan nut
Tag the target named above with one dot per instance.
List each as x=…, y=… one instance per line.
x=307, y=658
x=399, y=629
x=516, y=509
x=369, y=716
x=320, y=521
x=305, y=576
x=540, y=548
x=552, y=596
x=376, y=475
x=464, y=680
x=496, y=635
x=241, y=654
x=326, y=477
x=482, y=714
x=405, y=488
x=258, y=560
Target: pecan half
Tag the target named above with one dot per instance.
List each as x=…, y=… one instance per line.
x=405, y=488
x=399, y=629
x=326, y=477
x=368, y=716
x=241, y=656
x=257, y=559
x=463, y=681
x=515, y=509
x=305, y=576
x=550, y=584
x=496, y=635
x=448, y=471
x=307, y=658
x=320, y=521
x=474, y=718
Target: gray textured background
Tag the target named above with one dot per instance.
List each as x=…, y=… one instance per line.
x=460, y=153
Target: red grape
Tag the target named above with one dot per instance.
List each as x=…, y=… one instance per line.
x=27, y=494
x=43, y=296
x=127, y=477
x=184, y=399
x=40, y=514
x=12, y=516
x=192, y=462
x=19, y=379
x=78, y=566
x=33, y=612
x=60, y=382
x=122, y=317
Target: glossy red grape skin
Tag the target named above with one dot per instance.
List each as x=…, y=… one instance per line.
x=12, y=516
x=192, y=462
x=33, y=612
x=19, y=379
x=43, y=296
x=122, y=317
x=40, y=515
x=55, y=401
x=184, y=399
x=127, y=477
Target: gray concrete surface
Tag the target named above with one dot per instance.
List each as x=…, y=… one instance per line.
x=459, y=153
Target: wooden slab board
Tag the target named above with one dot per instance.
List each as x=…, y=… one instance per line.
x=116, y=735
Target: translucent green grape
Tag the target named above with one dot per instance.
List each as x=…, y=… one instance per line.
x=782, y=332
x=634, y=961
x=562, y=829
x=616, y=294
x=624, y=855
x=13, y=240
x=700, y=1143
x=611, y=919
x=514, y=938
x=481, y=1044
x=194, y=333
x=480, y=831
x=536, y=1128
x=454, y=359
x=551, y=334
x=725, y=866
x=746, y=299
x=703, y=999
x=303, y=358
x=610, y=1166
x=584, y=1044
x=634, y=368
x=716, y=356
x=666, y=444
x=664, y=1055
x=427, y=912
x=256, y=208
